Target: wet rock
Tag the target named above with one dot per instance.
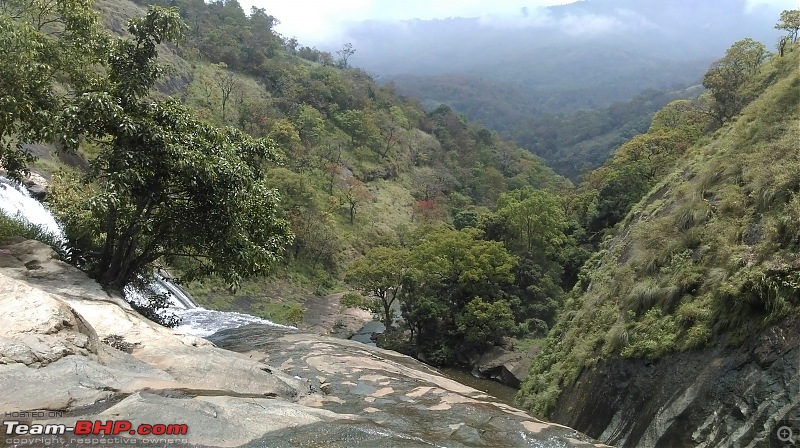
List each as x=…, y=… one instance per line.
x=714, y=397
x=37, y=185
x=397, y=397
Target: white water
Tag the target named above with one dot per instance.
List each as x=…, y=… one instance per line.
x=15, y=201
x=203, y=322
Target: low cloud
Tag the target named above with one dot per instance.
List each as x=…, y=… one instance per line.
x=574, y=23
x=769, y=5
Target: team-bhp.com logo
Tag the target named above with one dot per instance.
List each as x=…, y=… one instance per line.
x=97, y=427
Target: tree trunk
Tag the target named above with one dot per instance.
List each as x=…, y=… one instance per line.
x=387, y=317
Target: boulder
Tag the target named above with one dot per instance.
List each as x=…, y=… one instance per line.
x=508, y=367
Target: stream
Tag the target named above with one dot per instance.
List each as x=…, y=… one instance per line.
x=502, y=392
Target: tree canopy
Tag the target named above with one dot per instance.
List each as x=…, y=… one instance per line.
x=379, y=274
x=162, y=183
x=790, y=21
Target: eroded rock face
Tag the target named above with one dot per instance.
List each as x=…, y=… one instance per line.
x=707, y=398
x=66, y=345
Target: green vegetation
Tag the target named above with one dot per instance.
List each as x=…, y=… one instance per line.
x=709, y=253
x=379, y=274
x=13, y=227
x=254, y=155
x=571, y=142
x=269, y=140
x=283, y=313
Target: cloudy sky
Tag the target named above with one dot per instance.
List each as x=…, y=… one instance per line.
x=314, y=22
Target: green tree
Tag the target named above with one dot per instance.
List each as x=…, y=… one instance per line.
x=484, y=324
x=790, y=21
x=165, y=185
x=41, y=41
x=535, y=218
x=727, y=75
x=379, y=273
x=461, y=260
x=465, y=218
x=448, y=270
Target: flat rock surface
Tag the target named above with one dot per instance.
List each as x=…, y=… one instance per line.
x=68, y=346
x=325, y=315
x=399, y=401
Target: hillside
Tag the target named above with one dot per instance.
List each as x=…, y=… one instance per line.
x=695, y=295
x=566, y=82
x=72, y=352
x=260, y=172
x=571, y=143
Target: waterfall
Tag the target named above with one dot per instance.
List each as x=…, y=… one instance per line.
x=178, y=297
x=16, y=202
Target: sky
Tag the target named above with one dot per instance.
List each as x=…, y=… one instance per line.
x=317, y=21
x=314, y=22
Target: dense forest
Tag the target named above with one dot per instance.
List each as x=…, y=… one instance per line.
x=191, y=136
x=571, y=143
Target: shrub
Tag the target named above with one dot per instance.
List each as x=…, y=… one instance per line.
x=653, y=337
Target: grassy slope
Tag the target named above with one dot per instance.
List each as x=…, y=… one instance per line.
x=710, y=254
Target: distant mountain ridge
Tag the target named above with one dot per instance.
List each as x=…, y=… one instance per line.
x=545, y=64
x=643, y=31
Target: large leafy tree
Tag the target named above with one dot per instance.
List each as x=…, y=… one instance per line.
x=380, y=273
x=41, y=42
x=449, y=270
x=164, y=185
x=727, y=75
x=535, y=218
x=484, y=324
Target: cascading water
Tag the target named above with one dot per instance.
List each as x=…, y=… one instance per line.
x=16, y=202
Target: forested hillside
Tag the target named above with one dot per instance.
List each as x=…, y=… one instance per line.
x=705, y=261
x=571, y=143
x=569, y=82
x=235, y=152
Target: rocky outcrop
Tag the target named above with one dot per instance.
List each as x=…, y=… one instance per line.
x=508, y=367
x=706, y=398
x=67, y=345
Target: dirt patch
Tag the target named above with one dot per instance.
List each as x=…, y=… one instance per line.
x=324, y=315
